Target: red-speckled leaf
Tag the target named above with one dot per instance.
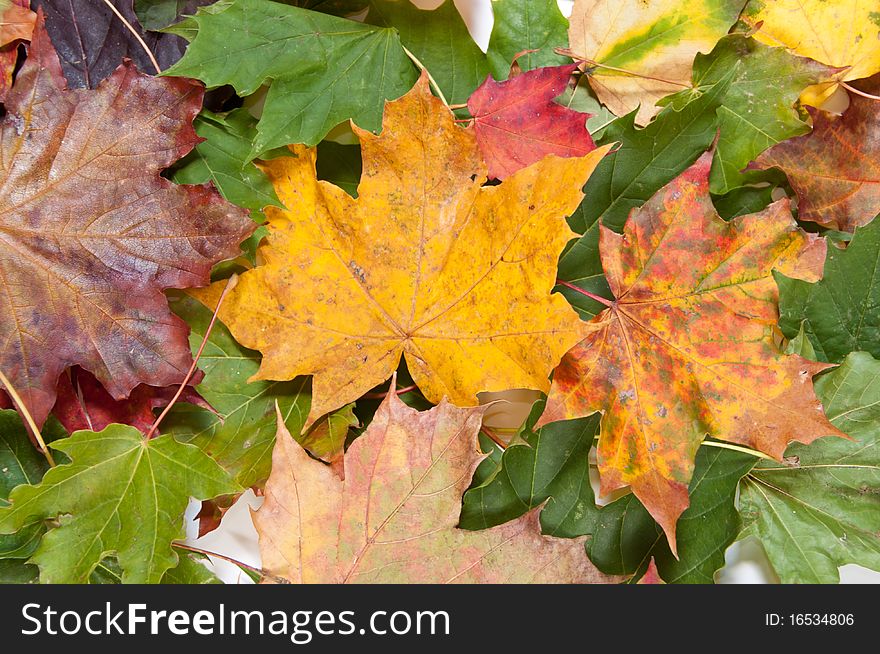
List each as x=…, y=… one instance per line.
x=687, y=349
x=517, y=122
x=393, y=519
x=82, y=403
x=90, y=233
x=16, y=25
x=835, y=169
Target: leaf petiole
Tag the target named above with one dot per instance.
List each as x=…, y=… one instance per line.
x=592, y=296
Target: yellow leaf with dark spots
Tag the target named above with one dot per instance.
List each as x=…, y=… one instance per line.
x=425, y=263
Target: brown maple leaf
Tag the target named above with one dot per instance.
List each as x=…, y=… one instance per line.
x=517, y=122
x=686, y=350
x=393, y=519
x=90, y=233
x=835, y=169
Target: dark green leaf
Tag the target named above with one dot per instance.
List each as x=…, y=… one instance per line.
x=340, y=164
x=322, y=70
x=440, y=40
x=841, y=312
x=21, y=463
x=625, y=537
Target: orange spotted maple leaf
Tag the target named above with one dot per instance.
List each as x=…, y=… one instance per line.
x=91, y=234
x=686, y=349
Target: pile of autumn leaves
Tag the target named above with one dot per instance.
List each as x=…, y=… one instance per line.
x=718, y=259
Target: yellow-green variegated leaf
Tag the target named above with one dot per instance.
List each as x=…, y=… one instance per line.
x=655, y=41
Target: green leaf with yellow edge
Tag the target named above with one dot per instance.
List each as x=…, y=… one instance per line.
x=821, y=508
x=321, y=70
x=120, y=495
x=655, y=40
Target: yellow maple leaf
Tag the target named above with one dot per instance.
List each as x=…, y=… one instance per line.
x=425, y=263
x=842, y=33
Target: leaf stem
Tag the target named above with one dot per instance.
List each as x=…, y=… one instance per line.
x=28, y=418
x=228, y=559
x=858, y=92
x=423, y=68
x=136, y=35
x=592, y=296
x=383, y=395
x=738, y=448
x=230, y=284
x=495, y=438
x=565, y=52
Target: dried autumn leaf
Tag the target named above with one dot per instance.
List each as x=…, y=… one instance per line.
x=517, y=122
x=16, y=24
x=92, y=233
x=835, y=169
x=654, y=40
x=843, y=33
x=454, y=275
x=687, y=350
x=393, y=518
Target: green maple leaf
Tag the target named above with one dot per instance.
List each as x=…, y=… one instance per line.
x=758, y=108
x=821, y=509
x=120, y=495
x=222, y=158
x=440, y=40
x=321, y=70
x=841, y=312
x=526, y=25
